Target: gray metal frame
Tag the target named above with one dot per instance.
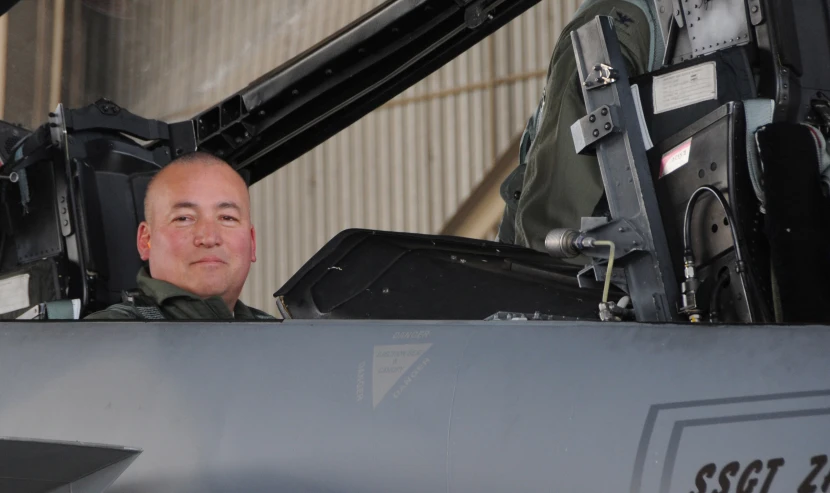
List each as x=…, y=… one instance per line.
x=614, y=135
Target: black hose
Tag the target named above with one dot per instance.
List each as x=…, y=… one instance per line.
x=687, y=234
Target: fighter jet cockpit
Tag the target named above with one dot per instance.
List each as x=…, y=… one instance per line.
x=673, y=340
x=714, y=164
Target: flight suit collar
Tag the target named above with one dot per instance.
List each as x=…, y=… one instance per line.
x=163, y=292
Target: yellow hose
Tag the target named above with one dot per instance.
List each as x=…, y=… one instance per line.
x=610, y=245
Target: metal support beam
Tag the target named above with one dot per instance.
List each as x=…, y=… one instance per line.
x=625, y=171
x=4, y=50
x=56, y=67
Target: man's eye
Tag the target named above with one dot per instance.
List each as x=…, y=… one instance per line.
x=181, y=218
x=229, y=218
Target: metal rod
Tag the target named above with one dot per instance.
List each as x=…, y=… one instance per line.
x=4, y=48
x=58, y=20
x=40, y=61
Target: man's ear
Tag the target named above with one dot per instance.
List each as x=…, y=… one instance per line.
x=143, y=241
x=253, y=244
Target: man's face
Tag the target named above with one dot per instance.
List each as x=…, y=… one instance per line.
x=199, y=235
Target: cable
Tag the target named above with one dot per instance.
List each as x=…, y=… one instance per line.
x=687, y=234
x=609, y=244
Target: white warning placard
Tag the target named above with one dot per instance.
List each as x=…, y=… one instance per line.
x=685, y=87
x=389, y=363
x=675, y=158
x=14, y=293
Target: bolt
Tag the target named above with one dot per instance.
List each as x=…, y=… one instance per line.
x=607, y=126
x=592, y=118
x=754, y=9
x=596, y=133
x=604, y=111
x=621, y=230
x=66, y=222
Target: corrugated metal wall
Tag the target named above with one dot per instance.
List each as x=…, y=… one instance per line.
x=408, y=165
x=405, y=167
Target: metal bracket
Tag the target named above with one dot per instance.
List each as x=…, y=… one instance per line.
x=756, y=12
x=593, y=276
x=476, y=14
x=621, y=231
x=715, y=26
x=35, y=312
x=57, y=124
x=627, y=178
x=589, y=129
x=63, y=206
x=678, y=13
x=602, y=76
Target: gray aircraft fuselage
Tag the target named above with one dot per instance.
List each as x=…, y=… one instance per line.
x=332, y=406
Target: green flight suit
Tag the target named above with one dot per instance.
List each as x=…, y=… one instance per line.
x=554, y=187
x=177, y=304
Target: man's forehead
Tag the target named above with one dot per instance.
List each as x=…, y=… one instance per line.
x=216, y=204
x=178, y=188
x=183, y=180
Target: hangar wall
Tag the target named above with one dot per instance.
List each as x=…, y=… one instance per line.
x=408, y=165
x=405, y=167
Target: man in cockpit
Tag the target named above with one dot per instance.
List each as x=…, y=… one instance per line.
x=553, y=186
x=198, y=242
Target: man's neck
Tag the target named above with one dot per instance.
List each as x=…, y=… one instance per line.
x=230, y=302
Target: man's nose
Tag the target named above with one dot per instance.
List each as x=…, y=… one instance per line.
x=207, y=234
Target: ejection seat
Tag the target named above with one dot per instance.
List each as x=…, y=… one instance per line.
x=70, y=217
